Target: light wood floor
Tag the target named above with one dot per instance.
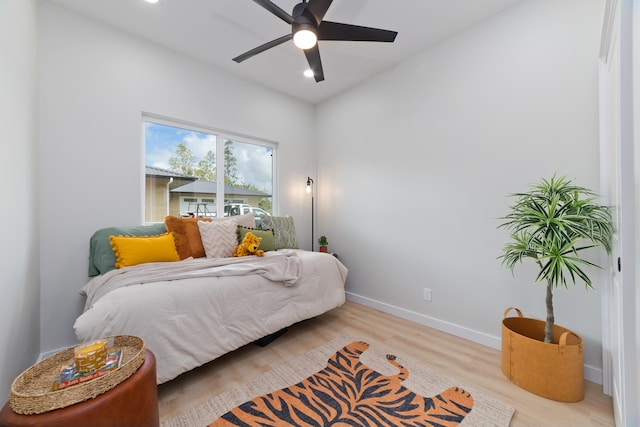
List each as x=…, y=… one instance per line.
x=472, y=364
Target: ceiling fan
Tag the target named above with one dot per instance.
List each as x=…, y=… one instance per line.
x=307, y=27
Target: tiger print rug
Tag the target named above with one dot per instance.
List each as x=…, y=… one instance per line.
x=344, y=382
x=348, y=393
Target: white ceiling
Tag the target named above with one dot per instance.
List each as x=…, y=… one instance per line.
x=215, y=31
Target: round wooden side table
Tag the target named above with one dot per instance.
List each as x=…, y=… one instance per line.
x=132, y=403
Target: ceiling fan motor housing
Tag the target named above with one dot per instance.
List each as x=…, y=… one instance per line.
x=303, y=19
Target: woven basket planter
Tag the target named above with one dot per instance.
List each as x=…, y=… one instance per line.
x=31, y=391
x=552, y=370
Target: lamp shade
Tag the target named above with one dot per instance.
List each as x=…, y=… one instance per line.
x=310, y=191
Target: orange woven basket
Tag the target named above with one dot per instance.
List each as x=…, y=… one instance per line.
x=553, y=370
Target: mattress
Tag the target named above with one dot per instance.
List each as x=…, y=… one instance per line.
x=187, y=322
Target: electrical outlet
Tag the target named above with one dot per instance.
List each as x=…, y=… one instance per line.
x=427, y=294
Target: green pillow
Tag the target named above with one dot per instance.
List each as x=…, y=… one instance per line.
x=284, y=231
x=101, y=256
x=267, y=243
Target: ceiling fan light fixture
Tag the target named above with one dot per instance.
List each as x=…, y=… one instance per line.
x=308, y=72
x=305, y=38
x=308, y=26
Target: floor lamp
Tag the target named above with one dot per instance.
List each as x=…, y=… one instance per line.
x=310, y=190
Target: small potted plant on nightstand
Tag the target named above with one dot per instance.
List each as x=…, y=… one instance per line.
x=323, y=243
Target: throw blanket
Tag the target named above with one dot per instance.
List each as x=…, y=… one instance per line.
x=281, y=266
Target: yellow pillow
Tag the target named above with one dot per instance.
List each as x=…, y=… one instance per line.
x=133, y=250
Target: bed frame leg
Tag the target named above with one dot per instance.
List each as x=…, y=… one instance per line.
x=266, y=340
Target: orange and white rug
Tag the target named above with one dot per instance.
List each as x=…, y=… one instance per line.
x=349, y=383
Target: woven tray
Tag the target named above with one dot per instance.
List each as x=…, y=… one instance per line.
x=31, y=391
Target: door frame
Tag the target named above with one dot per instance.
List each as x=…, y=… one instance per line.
x=624, y=30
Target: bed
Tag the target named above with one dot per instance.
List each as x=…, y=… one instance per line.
x=195, y=309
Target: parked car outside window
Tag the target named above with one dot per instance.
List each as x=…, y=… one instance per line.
x=243, y=209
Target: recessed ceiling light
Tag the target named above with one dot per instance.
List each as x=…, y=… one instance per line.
x=152, y=1
x=308, y=73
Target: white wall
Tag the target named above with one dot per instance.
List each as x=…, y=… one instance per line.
x=415, y=166
x=94, y=84
x=19, y=263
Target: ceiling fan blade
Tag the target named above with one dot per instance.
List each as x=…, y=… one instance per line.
x=313, y=58
x=347, y=32
x=318, y=8
x=262, y=48
x=275, y=10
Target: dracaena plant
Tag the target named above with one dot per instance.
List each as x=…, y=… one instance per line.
x=554, y=224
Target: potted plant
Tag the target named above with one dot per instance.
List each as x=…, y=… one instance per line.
x=552, y=224
x=322, y=242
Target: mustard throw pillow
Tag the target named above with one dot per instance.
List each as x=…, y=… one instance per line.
x=101, y=256
x=134, y=250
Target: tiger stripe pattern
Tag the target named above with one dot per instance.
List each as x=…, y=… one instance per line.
x=348, y=393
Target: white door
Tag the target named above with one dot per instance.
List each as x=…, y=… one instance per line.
x=616, y=132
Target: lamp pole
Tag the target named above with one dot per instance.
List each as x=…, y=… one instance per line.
x=310, y=190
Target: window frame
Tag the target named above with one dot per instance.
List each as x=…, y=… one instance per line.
x=221, y=136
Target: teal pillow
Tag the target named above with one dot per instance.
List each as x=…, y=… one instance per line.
x=284, y=231
x=101, y=256
x=267, y=243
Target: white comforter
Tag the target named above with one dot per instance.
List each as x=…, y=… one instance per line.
x=209, y=307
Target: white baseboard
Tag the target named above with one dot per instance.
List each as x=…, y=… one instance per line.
x=593, y=374
x=590, y=373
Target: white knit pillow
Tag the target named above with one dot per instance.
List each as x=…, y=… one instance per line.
x=219, y=238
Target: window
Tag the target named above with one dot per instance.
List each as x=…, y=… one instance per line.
x=193, y=171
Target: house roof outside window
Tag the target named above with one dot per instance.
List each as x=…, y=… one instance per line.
x=198, y=186
x=208, y=187
x=156, y=172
